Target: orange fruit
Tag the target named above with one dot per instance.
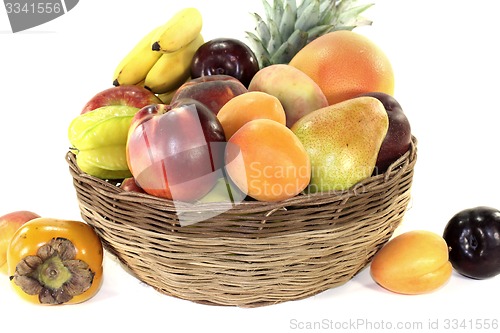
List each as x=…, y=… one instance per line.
x=345, y=64
x=249, y=106
x=414, y=262
x=267, y=161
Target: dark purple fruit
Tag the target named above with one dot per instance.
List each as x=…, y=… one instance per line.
x=473, y=238
x=398, y=138
x=226, y=56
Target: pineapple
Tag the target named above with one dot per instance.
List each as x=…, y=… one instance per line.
x=288, y=27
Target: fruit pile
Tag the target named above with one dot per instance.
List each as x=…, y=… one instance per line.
x=309, y=108
x=185, y=115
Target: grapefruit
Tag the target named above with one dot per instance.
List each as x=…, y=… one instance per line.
x=345, y=64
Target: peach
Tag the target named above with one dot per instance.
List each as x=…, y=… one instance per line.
x=249, y=106
x=267, y=161
x=414, y=262
x=9, y=224
x=212, y=90
x=297, y=92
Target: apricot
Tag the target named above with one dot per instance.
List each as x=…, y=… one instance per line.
x=249, y=106
x=414, y=262
x=345, y=64
x=267, y=161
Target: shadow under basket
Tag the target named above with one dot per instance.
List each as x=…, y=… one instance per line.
x=255, y=253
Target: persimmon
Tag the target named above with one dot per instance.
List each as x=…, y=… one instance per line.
x=53, y=261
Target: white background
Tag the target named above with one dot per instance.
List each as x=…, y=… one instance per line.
x=445, y=56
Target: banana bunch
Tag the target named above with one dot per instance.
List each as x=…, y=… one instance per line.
x=161, y=60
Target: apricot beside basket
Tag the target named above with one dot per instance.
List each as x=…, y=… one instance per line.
x=255, y=253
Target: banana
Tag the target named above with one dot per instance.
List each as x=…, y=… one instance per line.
x=166, y=97
x=178, y=31
x=136, y=64
x=172, y=69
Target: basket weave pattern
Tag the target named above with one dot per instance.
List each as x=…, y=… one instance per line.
x=256, y=253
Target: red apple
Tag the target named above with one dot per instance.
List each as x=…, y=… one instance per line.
x=130, y=95
x=212, y=90
x=175, y=151
x=9, y=223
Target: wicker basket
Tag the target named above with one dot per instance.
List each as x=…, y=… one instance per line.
x=255, y=253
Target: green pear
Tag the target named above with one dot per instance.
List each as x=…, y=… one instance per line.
x=343, y=141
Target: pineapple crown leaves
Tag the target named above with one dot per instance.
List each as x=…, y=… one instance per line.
x=287, y=27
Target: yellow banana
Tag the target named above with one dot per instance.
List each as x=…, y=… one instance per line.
x=137, y=63
x=178, y=31
x=172, y=69
x=166, y=97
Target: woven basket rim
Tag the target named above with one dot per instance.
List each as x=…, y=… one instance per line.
x=396, y=167
x=248, y=219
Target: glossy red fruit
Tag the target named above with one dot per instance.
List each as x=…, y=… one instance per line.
x=176, y=151
x=213, y=91
x=130, y=95
x=225, y=56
